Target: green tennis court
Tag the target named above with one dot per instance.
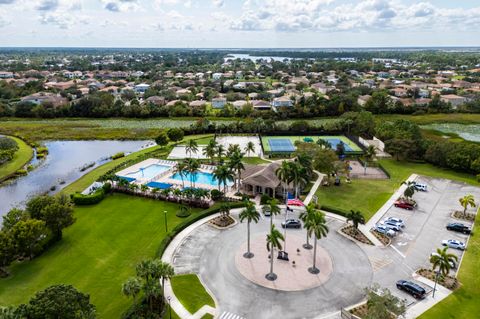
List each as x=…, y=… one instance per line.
x=286, y=144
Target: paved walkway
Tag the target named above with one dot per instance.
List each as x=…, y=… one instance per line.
x=314, y=188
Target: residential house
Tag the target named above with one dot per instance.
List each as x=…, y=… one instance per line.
x=362, y=99
x=261, y=105
x=156, y=100
x=219, y=102
x=199, y=103
x=283, y=101
x=141, y=88
x=217, y=76
x=454, y=100
x=42, y=98
x=6, y=75
x=322, y=87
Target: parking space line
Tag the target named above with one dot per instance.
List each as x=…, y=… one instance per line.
x=398, y=251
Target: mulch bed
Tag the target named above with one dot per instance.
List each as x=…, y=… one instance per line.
x=362, y=310
x=222, y=221
x=467, y=216
x=358, y=235
x=448, y=281
x=384, y=239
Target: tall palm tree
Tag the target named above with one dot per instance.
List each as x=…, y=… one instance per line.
x=273, y=242
x=370, y=153
x=465, y=201
x=233, y=148
x=272, y=206
x=223, y=174
x=236, y=164
x=181, y=169
x=356, y=217
x=220, y=151
x=250, y=147
x=251, y=215
x=284, y=174
x=165, y=272
x=410, y=190
x=131, y=288
x=306, y=162
x=316, y=225
x=298, y=176
x=304, y=216
x=192, y=168
x=211, y=150
x=191, y=147
x=441, y=263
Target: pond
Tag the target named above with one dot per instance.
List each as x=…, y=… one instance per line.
x=66, y=162
x=469, y=132
x=254, y=58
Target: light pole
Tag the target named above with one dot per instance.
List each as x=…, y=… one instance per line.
x=166, y=225
x=169, y=307
x=437, y=273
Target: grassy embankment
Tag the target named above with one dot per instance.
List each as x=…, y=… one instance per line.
x=21, y=157
x=191, y=293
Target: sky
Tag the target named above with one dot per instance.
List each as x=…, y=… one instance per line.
x=239, y=23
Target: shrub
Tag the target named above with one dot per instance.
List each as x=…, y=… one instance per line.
x=42, y=150
x=107, y=188
x=334, y=210
x=264, y=199
x=183, y=213
x=96, y=197
x=21, y=172
x=215, y=194
x=175, y=134
x=118, y=155
x=40, y=155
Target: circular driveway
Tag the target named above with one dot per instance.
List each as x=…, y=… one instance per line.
x=211, y=253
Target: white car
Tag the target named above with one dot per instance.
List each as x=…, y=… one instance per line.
x=396, y=220
x=420, y=187
x=392, y=225
x=452, y=263
x=452, y=243
x=382, y=229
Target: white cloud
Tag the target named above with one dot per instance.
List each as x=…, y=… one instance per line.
x=62, y=19
x=121, y=5
x=47, y=5
x=218, y=3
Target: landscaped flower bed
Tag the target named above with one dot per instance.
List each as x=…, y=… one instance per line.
x=362, y=310
x=356, y=234
x=222, y=221
x=446, y=281
x=467, y=216
x=384, y=239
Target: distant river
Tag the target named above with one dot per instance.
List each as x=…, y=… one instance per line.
x=255, y=58
x=63, y=164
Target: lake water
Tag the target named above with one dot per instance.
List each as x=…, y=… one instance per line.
x=63, y=163
x=255, y=58
x=469, y=132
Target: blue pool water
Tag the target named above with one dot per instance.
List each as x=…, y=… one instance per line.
x=159, y=185
x=149, y=172
x=200, y=178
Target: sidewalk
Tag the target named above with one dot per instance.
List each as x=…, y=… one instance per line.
x=314, y=188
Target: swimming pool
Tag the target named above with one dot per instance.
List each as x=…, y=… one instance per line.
x=200, y=178
x=149, y=172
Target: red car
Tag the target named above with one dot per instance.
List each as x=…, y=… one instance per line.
x=404, y=205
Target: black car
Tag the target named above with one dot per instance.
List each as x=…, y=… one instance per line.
x=459, y=227
x=292, y=223
x=411, y=288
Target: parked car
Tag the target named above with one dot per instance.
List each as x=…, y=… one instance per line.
x=452, y=243
x=404, y=205
x=421, y=187
x=267, y=212
x=393, y=225
x=411, y=288
x=459, y=227
x=292, y=223
x=396, y=220
x=452, y=263
x=385, y=230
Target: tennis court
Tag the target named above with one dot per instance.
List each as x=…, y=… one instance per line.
x=286, y=144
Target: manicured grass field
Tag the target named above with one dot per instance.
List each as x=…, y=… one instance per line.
x=293, y=139
x=463, y=303
x=21, y=157
x=191, y=293
x=368, y=196
x=97, y=254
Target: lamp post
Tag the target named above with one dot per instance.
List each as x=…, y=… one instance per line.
x=437, y=273
x=166, y=225
x=169, y=307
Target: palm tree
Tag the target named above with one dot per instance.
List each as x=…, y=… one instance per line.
x=465, y=201
x=284, y=174
x=316, y=225
x=225, y=209
x=306, y=162
x=220, y=151
x=233, y=148
x=143, y=188
x=304, y=216
x=324, y=143
x=356, y=217
x=250, y=147
x=273, y=242
x=131, y=288
x=180, y=169
x=191, y=147
x=166, y=272
x=251, y=215
x=442, y=261
x=410, y=190
x=210, y=150
x=298, y=176
x=223, y=174
x=192, y=168
x=370, y=153
x=236, y=164
x=272, y=206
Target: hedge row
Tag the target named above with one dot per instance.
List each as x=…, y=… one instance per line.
x=190, y=220
x=94, y=198
x=334, y=210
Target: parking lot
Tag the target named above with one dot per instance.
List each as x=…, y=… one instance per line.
x=425, y=228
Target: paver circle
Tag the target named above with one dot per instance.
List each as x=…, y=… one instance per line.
x=292, y=275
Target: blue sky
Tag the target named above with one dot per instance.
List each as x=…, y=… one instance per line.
x=239, y=23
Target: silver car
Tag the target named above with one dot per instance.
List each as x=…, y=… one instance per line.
x=452, y=243
x=382, y=229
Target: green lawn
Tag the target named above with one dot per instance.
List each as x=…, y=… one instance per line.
x=368, y=196
x=191, y=293
x=21, y=157
x=97, y=254
x=463, y=303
